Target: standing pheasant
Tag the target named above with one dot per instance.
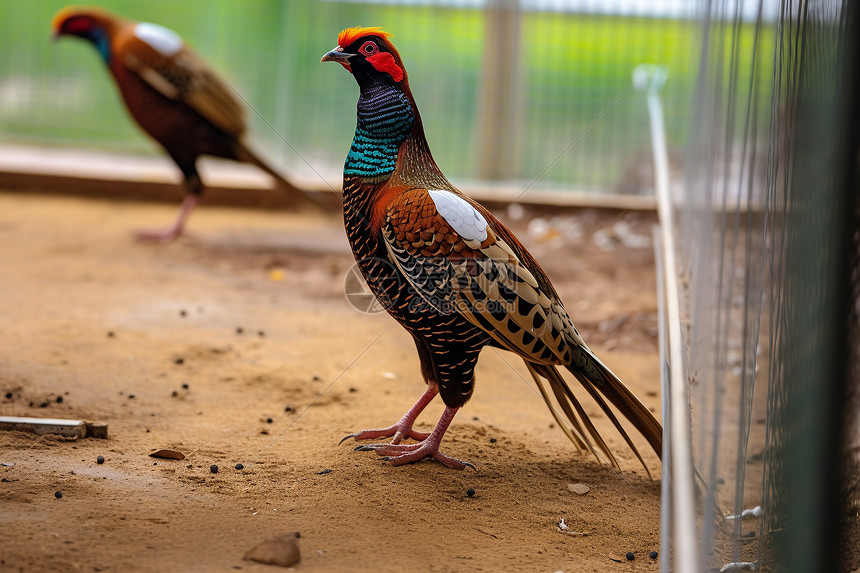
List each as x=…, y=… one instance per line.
x=173, y=95
x=451, y=274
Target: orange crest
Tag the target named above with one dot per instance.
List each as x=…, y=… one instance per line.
x=350, y=35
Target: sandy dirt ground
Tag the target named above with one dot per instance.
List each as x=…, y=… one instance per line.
x=236, y=344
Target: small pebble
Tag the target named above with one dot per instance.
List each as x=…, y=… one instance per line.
x=58, y=494
x=470, y=492
x=325, y=471
x=100, y=460
x=493, y=440
x=240, y=466
x=179, y=361
x=8, y=395
x=475, y=418
x=131, y=396
x=269, y=420
x=288, y=408
x=315, y=378
x=630, y=556
x=183, y=313
x=261, y=333
x=174, y=393
x=59, y=399
x=110, y=334
x=213, y=468
x=352, y=390
x=239, y=330
x=185, y=386
x=653, y=555
x=43, y=405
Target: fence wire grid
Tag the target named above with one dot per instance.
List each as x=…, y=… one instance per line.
x=767, y=208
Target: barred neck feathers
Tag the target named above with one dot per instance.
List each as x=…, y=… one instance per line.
x=385, y=119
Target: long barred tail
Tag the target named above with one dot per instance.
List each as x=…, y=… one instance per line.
x=601, y=384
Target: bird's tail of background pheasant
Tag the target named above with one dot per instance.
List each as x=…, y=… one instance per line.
x=602, y=385
x=295, y=196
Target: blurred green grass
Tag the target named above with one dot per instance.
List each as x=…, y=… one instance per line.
x=573, y=66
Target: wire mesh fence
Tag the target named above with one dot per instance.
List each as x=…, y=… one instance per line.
x=767, y=211
x=566, y=68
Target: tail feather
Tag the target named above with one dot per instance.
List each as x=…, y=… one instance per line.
x=296, y=196
x=600, y=383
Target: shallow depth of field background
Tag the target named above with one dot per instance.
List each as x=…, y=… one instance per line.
x=571, y=60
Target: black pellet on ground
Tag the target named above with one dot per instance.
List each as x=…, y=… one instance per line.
x=179, y=361
x=174, y=393
x=269, y=420
x=653, y=555
x=470, y=492
x=240, y=466
x=325, y=471
x=493, y=440
x=8, y=395
x=110, y=334
x=353, y=390
x=131, y=396
x=261, y=333
x=630, y=556
x=58, y=494
x=183, y=313
x=315, y=378
x=213, y=468
x=288, y=408
x=43, y=405
x=185, y=386
x=100, y=460
x=239, y=330
x=59, y=399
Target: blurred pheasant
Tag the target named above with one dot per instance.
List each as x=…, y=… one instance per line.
x=173, y=95
x=452, y=275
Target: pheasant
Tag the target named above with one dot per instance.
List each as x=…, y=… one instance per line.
x=454, y=276
x=173, y=95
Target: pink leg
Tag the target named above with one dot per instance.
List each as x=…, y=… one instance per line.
x=399, y=454
x=175, y=229
x=403, y=428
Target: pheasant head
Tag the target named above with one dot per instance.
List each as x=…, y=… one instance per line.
x=389, y=142
x=93, y=24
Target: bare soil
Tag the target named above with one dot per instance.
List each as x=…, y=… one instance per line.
x=249, y=312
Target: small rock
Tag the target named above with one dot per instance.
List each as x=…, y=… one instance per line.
x=179, y=361
x=59, y=400
x=288, y=408
x=239, y=330
x=240, y=466
x=578, y=488
x=131, y=396
x=470, y=492
x=493, y=440
x=185, y=386
x=282, y=550
x=58, y=494
x=100, y=460
x=269, y=420
x=630, y=556
x=8, y=395
x=653, y=555
x=213, y=468
x=183, y=313
x=43, y=405
x=325, y=471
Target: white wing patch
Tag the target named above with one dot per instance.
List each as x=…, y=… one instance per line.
x=463, y=217
x=165, y=42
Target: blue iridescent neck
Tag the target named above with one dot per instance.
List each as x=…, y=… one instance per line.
x=385, y=119
x=100, y=39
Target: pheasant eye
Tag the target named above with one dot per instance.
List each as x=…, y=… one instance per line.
x=368, y=48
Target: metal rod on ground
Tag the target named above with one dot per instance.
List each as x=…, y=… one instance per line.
x=683, y=523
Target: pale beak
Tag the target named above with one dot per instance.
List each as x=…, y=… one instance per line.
x=337, y=55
